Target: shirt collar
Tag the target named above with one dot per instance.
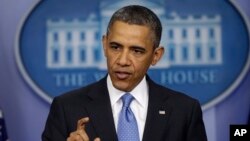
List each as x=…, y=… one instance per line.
x=140, y=92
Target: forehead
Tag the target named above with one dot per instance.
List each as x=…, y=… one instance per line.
x=119, y=24
x=130, y=32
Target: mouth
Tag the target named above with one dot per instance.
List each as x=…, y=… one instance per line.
x=122, y=75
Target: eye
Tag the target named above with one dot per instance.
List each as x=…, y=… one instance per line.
x=139, y=51
x=115, y=46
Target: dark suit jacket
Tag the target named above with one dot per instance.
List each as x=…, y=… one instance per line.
x=182, y=120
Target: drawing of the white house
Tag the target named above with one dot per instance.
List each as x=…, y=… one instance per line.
x=188, y=40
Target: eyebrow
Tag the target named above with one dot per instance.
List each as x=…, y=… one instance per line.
x=133, y=46
x=139, y=48
x=115, y=43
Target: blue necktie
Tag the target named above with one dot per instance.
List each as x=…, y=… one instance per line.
x=127, y=129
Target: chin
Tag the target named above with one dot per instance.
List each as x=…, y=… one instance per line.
x=122, y=88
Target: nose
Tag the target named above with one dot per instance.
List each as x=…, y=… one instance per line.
x=123, y=59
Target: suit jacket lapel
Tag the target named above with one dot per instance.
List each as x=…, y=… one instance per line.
x=100, y=112
x=158, y=113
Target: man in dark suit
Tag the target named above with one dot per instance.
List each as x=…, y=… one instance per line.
x=131, y=45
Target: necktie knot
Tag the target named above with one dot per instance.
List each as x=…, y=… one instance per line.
x=127, y=99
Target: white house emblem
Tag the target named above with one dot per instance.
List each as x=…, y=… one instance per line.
x=207, y=48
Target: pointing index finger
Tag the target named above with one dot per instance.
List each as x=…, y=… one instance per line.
x=82, y=122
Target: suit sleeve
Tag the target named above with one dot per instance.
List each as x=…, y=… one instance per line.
x=55, y=128
x=196, y=129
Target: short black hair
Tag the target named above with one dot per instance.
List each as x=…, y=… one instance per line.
x=139, y=15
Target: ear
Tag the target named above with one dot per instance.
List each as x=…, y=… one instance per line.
x=158, y=53
x=104, y=44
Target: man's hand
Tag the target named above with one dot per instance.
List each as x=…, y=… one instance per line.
x=80, y=133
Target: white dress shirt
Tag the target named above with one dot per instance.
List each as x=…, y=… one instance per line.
x=139, y=105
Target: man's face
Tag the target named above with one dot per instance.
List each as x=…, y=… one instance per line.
x=129, y=51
